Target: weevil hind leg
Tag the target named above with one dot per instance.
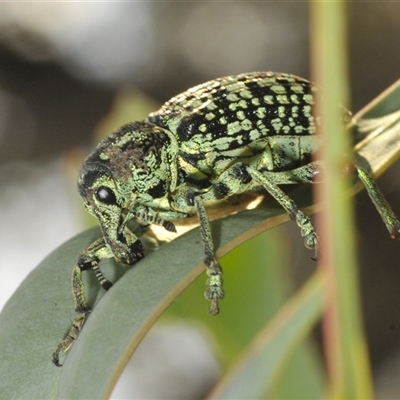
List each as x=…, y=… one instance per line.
x=383, y=207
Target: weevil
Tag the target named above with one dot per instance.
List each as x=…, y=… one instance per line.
x=228, y=136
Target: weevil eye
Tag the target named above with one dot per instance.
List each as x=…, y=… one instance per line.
x=105, y=195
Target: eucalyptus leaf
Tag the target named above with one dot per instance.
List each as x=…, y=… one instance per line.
x=378, y=124
x=34, y=320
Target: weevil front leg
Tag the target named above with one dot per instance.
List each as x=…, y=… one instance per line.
x=214, y=291
x=69, y=338
x=88, y=259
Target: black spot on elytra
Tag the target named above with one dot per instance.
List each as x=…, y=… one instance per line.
x=189, y=126
x=221, y=190
x=242, y=174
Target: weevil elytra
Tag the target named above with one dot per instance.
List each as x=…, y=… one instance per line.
x=228, y=136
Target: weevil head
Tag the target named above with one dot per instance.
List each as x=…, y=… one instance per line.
x=129, y=168
x=101, y=199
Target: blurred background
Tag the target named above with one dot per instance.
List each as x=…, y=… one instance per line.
x=68, y=71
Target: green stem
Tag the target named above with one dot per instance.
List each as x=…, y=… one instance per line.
x=344, y=340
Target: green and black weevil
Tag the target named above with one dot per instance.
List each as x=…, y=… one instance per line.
x=231, y=135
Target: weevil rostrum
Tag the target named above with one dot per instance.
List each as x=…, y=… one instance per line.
x=228, y=136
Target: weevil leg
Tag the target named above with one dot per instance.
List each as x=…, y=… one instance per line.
x=88, y=259
x=238, y=179
x=241, y=176
x=309, y=173
x=267, y=180
x=388, y=216
x=69, y=338
x=78, y=291
x=146, y=216
x=214, y=291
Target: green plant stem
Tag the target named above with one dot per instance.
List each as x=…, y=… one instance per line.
x=346, y=354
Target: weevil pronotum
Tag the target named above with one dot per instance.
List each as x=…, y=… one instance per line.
x=228, y=136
